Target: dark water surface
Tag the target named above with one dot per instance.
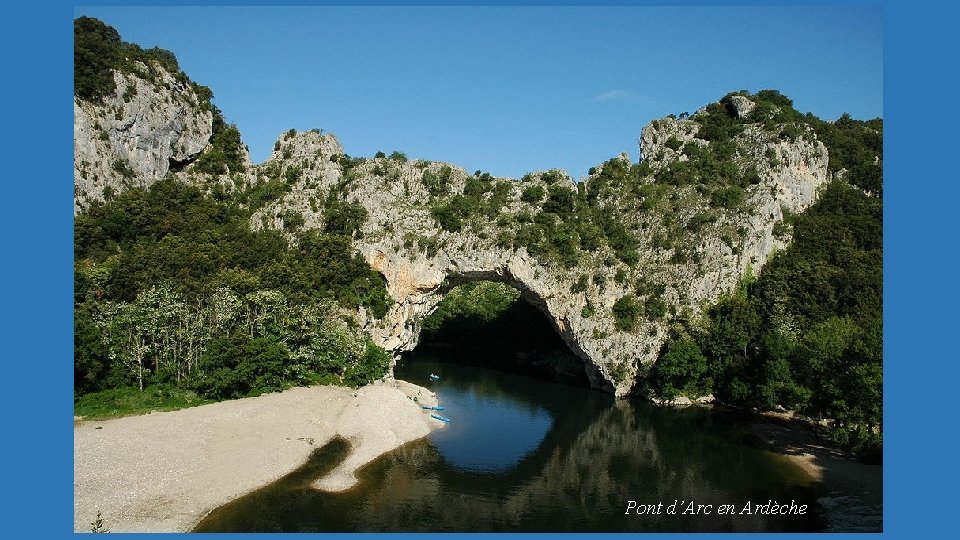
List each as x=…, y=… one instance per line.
x=522, y=454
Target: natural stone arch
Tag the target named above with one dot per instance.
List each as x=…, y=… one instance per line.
x=418, y=289
x=402, y=237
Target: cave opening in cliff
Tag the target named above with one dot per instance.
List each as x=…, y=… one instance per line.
x=491, y=325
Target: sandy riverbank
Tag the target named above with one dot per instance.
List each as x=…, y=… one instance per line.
x=162, y=472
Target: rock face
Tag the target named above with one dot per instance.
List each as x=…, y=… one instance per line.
x=421, y=261
x=742, y=106
x=135, y=135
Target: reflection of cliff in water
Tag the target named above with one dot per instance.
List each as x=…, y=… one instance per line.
x=584, y=485
x=597, y=455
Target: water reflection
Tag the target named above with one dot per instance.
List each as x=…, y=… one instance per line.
x=472, y=442
x=485, y=413
x=527, y=455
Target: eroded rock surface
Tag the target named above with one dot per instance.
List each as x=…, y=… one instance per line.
x=136, y=134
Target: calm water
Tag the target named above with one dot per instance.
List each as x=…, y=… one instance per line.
x=521, y=454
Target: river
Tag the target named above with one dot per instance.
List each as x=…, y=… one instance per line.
x=524, y=454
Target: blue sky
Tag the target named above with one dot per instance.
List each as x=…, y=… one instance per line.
x=506, y=89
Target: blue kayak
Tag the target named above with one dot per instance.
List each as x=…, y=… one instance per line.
x=433, y=408
x=440, y=418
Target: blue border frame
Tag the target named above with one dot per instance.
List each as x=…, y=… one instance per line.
x=919, y=277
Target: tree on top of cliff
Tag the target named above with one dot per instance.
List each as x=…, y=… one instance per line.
x=96, y=51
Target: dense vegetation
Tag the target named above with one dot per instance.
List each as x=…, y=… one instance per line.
x=225, y=153
x=173, y=287
x=178, y=301
x=807, y=334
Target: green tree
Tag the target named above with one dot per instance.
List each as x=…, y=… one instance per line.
x=91, y=357
x=560, y=201
x=225, y=153
x=343, y=218
x=238, y=366
x=681, y=369
x=532, y=194
x=371, y=366
x=438, y=183
x=96, y=52
x=626, y=313
x=734, y=323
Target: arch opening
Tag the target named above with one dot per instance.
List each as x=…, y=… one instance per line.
x=495, y=325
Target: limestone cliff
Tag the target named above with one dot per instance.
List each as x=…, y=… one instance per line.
x=136, y=134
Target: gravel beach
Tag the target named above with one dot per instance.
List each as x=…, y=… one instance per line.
x=162, y=472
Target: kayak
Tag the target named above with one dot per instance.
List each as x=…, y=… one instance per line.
x=440, y=418
x=433, y=408
x=434, y=377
